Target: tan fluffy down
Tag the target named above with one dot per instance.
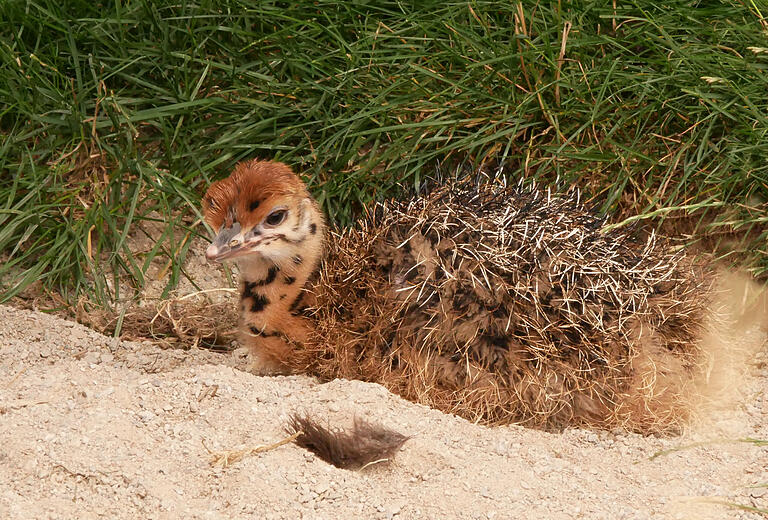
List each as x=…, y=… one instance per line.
x=507, y=305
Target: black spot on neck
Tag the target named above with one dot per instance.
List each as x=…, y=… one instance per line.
x=313, y=228
x=271, y=275
x=255, y=204
x=297, y=259
x=250, y=286
x=259, y=302
x=289, y=280
x=296, y=303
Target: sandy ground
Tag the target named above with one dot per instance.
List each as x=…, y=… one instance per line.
x=91, y=427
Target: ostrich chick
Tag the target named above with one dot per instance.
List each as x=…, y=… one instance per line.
x=500, y=304
x=267, y=221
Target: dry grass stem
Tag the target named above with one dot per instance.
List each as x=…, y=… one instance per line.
x=16, y=377
x=191, y=319
x=228, y=457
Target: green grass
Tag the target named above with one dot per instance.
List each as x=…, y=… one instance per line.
x=112, y=116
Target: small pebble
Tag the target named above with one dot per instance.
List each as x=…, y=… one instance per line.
x=91, y=358
x=146, y=415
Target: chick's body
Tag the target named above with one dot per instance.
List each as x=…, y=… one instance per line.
x=507, y=305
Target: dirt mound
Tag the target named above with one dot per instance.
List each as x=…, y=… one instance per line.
x=93, y=427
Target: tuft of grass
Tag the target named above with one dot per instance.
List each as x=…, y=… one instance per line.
x=740, y=507
x=117, y=116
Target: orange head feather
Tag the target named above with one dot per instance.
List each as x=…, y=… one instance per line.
x=248, y=194
x=262, y=207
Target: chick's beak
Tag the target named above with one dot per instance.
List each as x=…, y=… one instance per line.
x=227, y=243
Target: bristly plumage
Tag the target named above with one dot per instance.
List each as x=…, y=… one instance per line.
x=504, y=304
x=363, y=445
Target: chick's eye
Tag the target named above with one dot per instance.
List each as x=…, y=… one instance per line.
x=276, y=217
